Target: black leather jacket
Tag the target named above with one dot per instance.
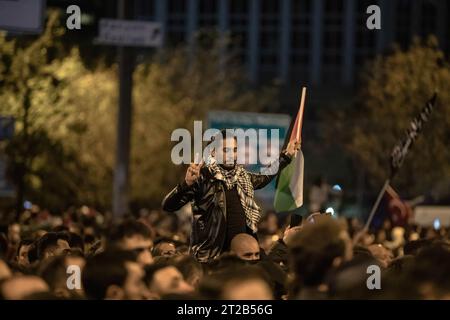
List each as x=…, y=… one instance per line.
x=209, y=209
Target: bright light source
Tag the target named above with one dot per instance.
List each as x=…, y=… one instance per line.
x=330, y=210
x=436, y=224
x=27, y=205
x=336, y=187
x=87, y=19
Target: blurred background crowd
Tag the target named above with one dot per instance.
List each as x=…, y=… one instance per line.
x=146, y=256
x=59, y=148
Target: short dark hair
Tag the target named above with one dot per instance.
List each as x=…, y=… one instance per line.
x=129, y=228
x=398, y=264
x=33, y=252
x=60, y=228
x=48, y=240
x=151, y=269
x=156, y=252
x=359, y=250
x=413, y=247
x=76, y=252
x=222, y=134
x=105, y=269
x=348, y=281
x=188, y=266
x=313, y=250
x=23, y=242
x=53, y=271
x=275, y=277
x=226, y=261
x=246, y=272
x=430, y=267
x=89, y=238
x=75, y=241
x=3, y=245
x=212, y=286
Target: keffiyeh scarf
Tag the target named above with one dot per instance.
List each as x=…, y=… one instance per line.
x=240, y=178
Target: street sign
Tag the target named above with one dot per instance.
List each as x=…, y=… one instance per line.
x=427, y=215
x=129, y=33
x=22, y=15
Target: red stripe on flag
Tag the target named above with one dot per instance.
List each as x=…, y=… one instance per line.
x=299, y=119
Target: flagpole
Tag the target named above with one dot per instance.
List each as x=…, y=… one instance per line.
x=299, y=185
x=398, y=155
x=300, y=119
x=377, y=203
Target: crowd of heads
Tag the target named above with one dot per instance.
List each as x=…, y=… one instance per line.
x=85, y=254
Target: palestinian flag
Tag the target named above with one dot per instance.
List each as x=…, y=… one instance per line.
x=289, y=189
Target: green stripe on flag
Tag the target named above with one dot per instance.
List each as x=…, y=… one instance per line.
x=284, y=200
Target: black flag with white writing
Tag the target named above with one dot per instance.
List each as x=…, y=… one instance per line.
x=401, y=149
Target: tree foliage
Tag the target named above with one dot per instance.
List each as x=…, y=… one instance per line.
x=63, y=151
x=394, y=90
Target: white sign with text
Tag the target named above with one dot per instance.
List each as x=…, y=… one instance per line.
x=130, y=33
x=22, y=15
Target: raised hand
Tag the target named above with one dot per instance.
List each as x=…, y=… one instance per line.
x=292, y=147
x=193, y=172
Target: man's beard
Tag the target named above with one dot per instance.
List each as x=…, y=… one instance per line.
x=228, y=166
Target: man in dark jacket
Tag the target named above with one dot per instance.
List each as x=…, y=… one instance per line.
x=222, y=197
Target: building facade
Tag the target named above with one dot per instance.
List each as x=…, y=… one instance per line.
x=317, y=41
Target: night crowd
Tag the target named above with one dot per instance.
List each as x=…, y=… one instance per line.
x=147, y=256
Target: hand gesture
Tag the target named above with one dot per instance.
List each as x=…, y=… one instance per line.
x=193, y=172
x=292, y=147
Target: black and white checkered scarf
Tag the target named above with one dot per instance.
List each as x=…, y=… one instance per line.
x=240, y=178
